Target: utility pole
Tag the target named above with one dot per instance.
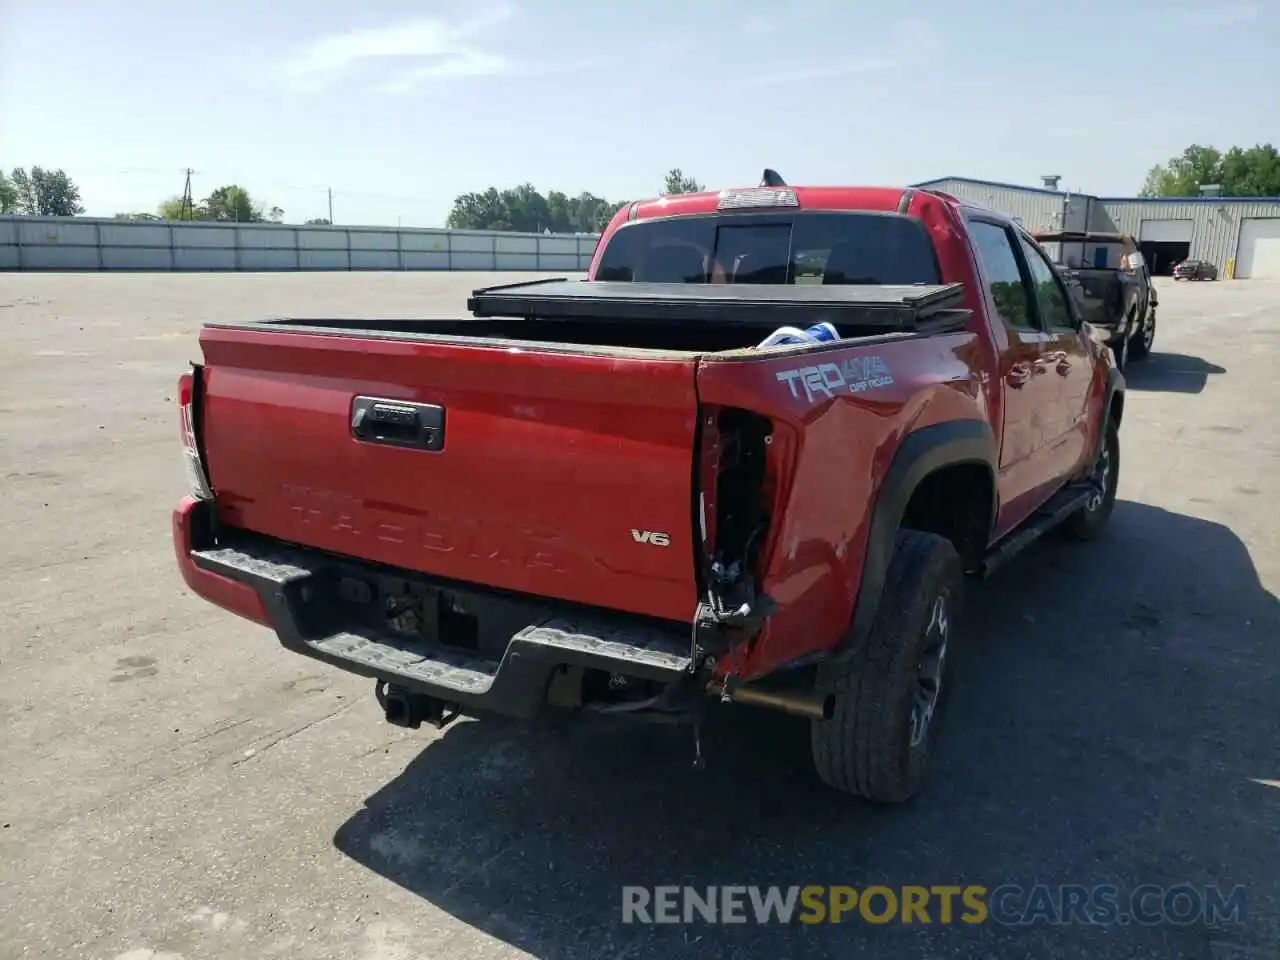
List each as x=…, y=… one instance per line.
x=187, y=210
x=331, y=205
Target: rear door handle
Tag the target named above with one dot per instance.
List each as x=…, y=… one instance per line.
x=397, y=423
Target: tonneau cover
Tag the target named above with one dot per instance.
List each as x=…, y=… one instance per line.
x=766, y=305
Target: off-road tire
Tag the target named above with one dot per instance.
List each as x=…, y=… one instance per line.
x=1088, y=522
x=1140, y=343
x=866, y=747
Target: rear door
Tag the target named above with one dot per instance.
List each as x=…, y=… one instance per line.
x=557, y=474
x=1069, y=360
x=1028, y=392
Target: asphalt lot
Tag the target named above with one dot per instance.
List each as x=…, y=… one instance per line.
x=174, y=785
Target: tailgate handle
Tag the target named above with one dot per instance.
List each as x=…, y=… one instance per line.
x=397, y=423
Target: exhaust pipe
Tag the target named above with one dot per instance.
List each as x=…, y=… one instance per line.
x=798, y=704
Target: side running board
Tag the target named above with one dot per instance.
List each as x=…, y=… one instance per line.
x=1059, y=507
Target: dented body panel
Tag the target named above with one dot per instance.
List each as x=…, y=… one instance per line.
x=834, y=439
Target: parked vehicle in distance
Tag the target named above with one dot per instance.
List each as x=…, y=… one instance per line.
x=604, y=496
x=1115, y=287
x=1195, y=270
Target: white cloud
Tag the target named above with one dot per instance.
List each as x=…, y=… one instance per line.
x=424, y=49
x=462, y=63
x=473, y=64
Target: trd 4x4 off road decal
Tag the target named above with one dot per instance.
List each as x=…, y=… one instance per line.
x=851, y=375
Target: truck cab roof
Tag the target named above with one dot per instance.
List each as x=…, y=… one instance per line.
x=886, y=199
x=766, y=196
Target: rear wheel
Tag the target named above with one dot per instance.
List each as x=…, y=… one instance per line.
x=890, y=689
x=1088, y=522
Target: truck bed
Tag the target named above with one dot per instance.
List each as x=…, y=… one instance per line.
x=624, y=319
x=877, y=306
x=584, y=337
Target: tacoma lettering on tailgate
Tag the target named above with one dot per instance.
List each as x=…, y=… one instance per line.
x=466, y=536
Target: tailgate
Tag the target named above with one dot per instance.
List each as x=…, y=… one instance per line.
x=560, y=475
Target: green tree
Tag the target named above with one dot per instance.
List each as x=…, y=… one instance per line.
x=8, y=195
x=135, y=216
x=173, y=209
x=524, y=208
x=559, y=212
x=591, y=214
x=1240, y=172
x=235, y=204
x=319, y=222
x=25, y=187
x=46, y=193
x=677, y=182
x=1252, y=172
x=229, y=204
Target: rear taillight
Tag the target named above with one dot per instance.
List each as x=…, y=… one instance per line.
x=188, y=396
x=736, y=480
x=735, y=490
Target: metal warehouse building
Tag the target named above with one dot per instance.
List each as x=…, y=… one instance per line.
x=1241, y=235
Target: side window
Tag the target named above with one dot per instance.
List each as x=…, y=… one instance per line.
x=1050, y=296
x=995, y=250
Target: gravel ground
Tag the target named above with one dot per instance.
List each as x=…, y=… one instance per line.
x=174, y=785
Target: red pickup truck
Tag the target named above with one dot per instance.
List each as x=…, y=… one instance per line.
x=608, y=496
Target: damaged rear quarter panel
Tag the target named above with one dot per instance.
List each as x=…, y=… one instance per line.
x=839, y=412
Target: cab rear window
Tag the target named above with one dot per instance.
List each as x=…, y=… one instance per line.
x=835, y=248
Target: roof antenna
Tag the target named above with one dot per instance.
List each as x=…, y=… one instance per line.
x=771, y=178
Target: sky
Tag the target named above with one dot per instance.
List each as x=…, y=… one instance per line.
x=399, y=106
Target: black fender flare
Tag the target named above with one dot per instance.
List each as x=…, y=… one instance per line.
x=920, y=453
x=1115, y=386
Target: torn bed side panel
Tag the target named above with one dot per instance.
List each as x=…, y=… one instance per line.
x=815, y=401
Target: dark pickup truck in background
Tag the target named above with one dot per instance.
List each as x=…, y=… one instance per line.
x=1114, y=284
x=628, y=495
